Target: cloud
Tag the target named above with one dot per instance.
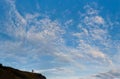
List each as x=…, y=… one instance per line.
x=34, y=35
x=70, y=77
x=98, y=20
x=112, y=74
x=91, y=9
x=57, y=71
x=69, y=22
x=94, y=20
x=38, y=37
x=37, y=34
x=92, y=37
x=31, y=36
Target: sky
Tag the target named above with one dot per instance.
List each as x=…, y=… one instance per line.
x=62, y=39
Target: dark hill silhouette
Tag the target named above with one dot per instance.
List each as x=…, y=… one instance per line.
x=11, y=73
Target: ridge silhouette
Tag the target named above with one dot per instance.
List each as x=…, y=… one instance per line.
x=11, y=73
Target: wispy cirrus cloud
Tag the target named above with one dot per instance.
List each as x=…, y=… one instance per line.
x=38, y=37
x=45, y=36
x=92, y=31
x=34, y=37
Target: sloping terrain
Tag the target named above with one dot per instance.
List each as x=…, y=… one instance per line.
x=11, y=73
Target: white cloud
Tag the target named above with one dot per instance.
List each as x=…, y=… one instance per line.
x=69, y=22
x=93, y=36
x=98, y=20
x=93, y=20
x=57, y=71
x=93, y=52
x=36, y=35
x=31, y=36
x=91, y=9
x=44, y=36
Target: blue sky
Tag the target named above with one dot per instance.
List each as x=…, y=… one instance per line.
x=72, y=39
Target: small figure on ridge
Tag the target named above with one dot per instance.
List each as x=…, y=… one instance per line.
x=32, y=71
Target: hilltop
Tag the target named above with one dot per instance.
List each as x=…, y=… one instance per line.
x=11, y=73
